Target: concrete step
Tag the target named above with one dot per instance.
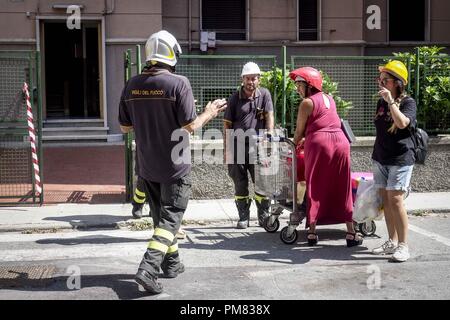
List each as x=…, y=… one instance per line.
x=74, y=131
x=75, y=138
x=58, y=123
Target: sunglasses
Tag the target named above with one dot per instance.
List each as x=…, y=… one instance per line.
x=299, y=83
x=384, y=81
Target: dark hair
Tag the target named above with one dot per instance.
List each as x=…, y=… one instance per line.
x=401, y=89
x=160, y=65
x=400, y=86
x=310, y=91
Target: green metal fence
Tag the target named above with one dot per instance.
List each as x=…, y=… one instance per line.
x=356, y=78
x=17, y=184
x=433, y=93
x=211, y=77
x=214, y=77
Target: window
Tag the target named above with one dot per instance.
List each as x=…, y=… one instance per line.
x=226, y=18
x=307, y=20
x=407, y=25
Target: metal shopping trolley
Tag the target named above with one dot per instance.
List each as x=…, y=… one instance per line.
x=275, y=178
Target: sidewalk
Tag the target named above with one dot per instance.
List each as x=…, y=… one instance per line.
x=69, y=216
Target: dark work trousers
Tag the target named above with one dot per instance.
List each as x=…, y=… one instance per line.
x=139, y=193
x=239, y=174
x=139, y=197
x=168, y=203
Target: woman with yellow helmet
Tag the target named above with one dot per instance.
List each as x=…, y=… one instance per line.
x=393, y=155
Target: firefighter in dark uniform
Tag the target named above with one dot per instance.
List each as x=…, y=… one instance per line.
x=139, y=197
x=249, y=109
x=159, y=106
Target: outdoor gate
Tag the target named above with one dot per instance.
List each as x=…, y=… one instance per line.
x=19, y=178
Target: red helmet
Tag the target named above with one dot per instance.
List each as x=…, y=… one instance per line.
x=308, y=74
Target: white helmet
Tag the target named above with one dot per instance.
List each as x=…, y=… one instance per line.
x=162, y=47
x=250, y=68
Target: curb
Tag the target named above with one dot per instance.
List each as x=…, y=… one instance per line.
x=186, y=222
x=82, y=227
x=425, y=211
x=109, y=226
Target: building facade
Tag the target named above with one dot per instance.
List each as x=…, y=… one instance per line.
x=82, y=63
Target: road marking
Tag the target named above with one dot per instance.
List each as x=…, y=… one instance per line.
x=431, y=235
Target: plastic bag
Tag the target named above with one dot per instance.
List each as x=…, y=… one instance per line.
x=356, y=179
x=368, y=205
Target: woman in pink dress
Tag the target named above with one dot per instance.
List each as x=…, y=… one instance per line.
x=327, y=157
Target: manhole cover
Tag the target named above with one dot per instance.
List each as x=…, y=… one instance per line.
x=26, y=276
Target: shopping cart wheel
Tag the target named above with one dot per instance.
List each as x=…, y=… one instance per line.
x=271, y=228
x=367, y=228
x=356, y=226
x=288, y=239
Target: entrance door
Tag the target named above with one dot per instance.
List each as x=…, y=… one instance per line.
x=72, y=72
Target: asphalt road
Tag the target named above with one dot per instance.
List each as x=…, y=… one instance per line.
x=225, y=263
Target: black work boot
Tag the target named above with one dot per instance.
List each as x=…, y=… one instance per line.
x=243, y=206
x=172, y=271
x=149, y=282
x=171, y=265
x=263, y=210
x=137, y=210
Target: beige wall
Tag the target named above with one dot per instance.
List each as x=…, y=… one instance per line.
x=273, y=20
x=270, y=20
x=134, y=19
x=14, y=23
x=175, y=18
x=130, y=19
x=342, y=20
x=440, y=21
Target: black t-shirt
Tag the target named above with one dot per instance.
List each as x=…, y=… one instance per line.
x=247, y=114
x=396, y=149
x=157, y=103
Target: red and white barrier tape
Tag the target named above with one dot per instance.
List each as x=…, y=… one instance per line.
x=32, y=134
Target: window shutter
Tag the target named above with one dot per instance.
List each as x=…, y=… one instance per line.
x=227, y=18
x=307, y=13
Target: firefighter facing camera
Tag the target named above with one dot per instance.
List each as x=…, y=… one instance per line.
x=249, y=108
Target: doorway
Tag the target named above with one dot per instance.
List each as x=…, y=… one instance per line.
x=72, y=70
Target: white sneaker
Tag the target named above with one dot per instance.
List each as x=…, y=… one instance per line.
x=401, y=253
x=181, y=234
x=386, y=248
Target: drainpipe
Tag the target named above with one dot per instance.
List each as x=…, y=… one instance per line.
x=428, y=23
x=105, y=12
x=190, y=25
x=248, y=20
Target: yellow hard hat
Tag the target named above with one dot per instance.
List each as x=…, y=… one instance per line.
x=397, y=69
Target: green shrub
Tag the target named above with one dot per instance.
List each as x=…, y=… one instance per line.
x=433, y=112
x=293, y=99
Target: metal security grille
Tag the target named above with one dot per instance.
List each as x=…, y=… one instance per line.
x=15, y=168
x=434, y=96
x=14, y=70
x=356, y=77
x=214, y=77
x=16, y=174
